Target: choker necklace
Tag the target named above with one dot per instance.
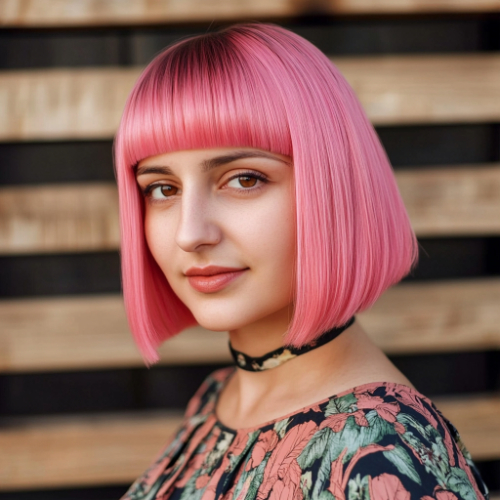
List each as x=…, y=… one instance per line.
x=283, y=354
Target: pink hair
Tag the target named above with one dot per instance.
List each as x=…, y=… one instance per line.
x=261, y=86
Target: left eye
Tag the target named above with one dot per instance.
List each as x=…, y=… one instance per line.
x=243, y=181
x=247, y=181
x=163, y=191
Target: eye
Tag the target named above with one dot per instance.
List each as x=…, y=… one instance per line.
x=161, y=191
x=246, y=180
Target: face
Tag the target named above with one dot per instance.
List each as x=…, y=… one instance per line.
x=220, y=223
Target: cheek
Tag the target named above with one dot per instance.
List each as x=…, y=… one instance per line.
x=270, y=234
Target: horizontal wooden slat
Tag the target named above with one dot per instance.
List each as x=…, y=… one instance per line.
x=88, y=332
x=81, y=450
x=436, y=317
x=74, y=218
x=51, y=13
x=59, y=218
x=462, y=200
x=63, y=103
x=91, y=450
x=87, y=103
x=91, y=332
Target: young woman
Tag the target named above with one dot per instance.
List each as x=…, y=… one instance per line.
x=256, y=199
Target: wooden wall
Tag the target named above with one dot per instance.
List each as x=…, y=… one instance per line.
x=80, y=416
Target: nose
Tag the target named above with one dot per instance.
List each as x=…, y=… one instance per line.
x=197, y=224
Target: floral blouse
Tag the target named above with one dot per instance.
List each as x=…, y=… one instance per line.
x=378, y=441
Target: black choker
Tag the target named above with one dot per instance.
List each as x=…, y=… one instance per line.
x=282, y=354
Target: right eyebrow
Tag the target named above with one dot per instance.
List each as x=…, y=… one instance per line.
x=207, y=165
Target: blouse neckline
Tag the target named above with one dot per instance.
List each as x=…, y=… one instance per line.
x=247, y=430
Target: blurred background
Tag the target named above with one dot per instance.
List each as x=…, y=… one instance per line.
x=80, y=415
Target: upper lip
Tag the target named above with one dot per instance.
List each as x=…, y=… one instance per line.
x=210, y=270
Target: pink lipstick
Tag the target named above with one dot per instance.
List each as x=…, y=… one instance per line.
x=212, y=278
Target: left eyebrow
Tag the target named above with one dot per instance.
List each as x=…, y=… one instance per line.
x=207, y=165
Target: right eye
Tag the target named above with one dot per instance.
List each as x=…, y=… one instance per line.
x=161, y=191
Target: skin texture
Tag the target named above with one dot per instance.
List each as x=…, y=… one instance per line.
x=227, y=216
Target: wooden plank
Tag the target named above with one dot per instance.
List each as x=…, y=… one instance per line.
x=414, y=89
x=463, y=200
x=436, y=317
x=59, y=218
x=59, y=13
x=81, y=450
x=87, y=103
x=75, y=333
x=88, y=332
x=84, y=217
x=107, y=449
x=63, y=103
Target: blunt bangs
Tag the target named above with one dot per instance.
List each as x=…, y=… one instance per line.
x=204, y=92
x=261, y=86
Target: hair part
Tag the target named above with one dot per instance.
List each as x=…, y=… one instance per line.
x=261, y=86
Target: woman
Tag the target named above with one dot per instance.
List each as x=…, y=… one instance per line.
x=256, y=199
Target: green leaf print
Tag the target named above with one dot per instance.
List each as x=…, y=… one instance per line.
x=315, y=448
x=280, y=427
x=327, y=445
x=139, y=492
x=343, y=404
x=305, y=485
x=429, y=446
x=354, y=436
x=358, y=488
x=400, y=458
x=258, y=479
x=190, y=492
x=325, y=495
x=409, y=421
x=458, y=482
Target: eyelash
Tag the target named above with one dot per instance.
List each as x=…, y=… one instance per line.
x=148, y=190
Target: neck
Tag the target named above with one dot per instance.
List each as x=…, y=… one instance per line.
x=252, y=398
x=262, y=336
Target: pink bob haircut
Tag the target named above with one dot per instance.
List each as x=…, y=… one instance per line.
x=262, y=86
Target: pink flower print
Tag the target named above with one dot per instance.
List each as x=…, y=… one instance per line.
x=445, y=495
x=287, y=451
x=287, y=487
x=336, y=487
x=399, y=428
x=409, y=397
x=202, y=481
x=387, y=487
x=236, y=448
x=387, y=411
x=339, y=477
x=449, y=446
x=337, y=421
x=239, y=444
x=441, y=495
x=267, y=441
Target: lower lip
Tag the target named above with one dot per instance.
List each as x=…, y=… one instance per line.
x=210, y=284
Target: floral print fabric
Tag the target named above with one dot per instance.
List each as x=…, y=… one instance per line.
x=378, y=441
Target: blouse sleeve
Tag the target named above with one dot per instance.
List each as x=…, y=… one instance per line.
x=412, y=459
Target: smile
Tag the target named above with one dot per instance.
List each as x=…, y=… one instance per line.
x=214, y=282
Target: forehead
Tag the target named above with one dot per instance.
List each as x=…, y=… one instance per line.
x=209, y=158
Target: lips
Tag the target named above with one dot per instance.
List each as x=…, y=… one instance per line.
x=212, y=278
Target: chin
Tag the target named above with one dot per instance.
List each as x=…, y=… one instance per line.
x=219, y=323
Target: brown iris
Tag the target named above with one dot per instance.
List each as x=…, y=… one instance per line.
x=247, y=181
x=168, y=190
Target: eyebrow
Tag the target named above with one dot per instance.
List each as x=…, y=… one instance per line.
x=211, y=163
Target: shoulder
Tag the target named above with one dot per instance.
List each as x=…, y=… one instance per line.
x=378, y=441
x=205, y=396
